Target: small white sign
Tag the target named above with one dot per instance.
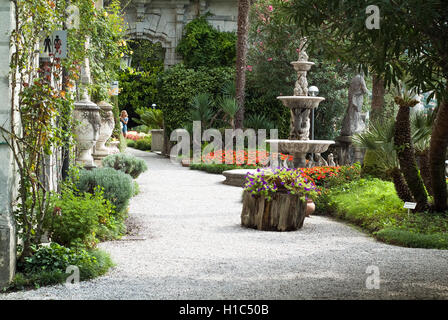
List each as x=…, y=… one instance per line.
x=114, y=88
x=410, y=205
x=54, y=45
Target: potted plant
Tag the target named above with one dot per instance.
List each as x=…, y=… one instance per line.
x=276, y=199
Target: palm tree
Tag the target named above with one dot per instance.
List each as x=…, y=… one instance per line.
x=150, y=119
x=405, y=150
x=379, y=139
x=241, y=58
x=437, y=157
x=230, y=107
x=421, y=127
x=201, y=109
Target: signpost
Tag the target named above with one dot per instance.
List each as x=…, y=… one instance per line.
x=114, y=89
x=409, y=206
x=54, y=45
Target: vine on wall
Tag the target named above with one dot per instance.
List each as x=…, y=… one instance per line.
x=43, y=97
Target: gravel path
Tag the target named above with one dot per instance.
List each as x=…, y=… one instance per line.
x=195, y=248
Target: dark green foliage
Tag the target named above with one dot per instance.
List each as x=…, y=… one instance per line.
x=203, y=45
x=371, y=167
x=130, y=143
x=146, y=55
x=144, y=144
x=48, y=264
x=118, y=186
x=126, y=163
x=81, y=220
x=257, y=122
x=218, y=168
x=138, y=91
x=179, y=84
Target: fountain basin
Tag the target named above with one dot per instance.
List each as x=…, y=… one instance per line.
x=301, y=102
x=301, y=146
x=302, y=65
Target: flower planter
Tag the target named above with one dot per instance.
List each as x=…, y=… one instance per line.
x=285, y=212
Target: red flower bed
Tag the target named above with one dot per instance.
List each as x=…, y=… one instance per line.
x=241, y=157
x=134, y=135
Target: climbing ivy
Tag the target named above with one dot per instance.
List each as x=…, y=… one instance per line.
x=43, y=97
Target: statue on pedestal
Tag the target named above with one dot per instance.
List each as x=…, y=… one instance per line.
x=353, y=122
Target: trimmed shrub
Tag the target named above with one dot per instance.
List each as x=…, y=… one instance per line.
x=144, y=144
x=118, y=186
x=126, y=163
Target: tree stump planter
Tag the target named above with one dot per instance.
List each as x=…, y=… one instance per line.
x=285, y=212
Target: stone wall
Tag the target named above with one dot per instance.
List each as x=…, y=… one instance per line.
x=7, y=182
x=164, y=20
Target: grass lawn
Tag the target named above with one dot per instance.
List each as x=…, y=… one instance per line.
x=374, y=206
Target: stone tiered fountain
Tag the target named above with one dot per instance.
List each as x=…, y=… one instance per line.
x=301, y=104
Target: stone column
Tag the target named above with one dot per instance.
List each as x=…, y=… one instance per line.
x=7, y=176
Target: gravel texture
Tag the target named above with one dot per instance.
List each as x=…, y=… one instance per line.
x=195, y=248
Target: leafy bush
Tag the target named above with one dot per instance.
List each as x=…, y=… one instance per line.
x=48, y=264
x=149, y=119
x=130, y=143
x=179, y=84
x=138, y=90
x=203, y=45
x=126, y=163
x=79, y=220
x=144, y=144
x=118, y=186
x=370, y=167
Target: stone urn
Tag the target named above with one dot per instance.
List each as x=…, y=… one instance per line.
x=157, y=140
x=86, y=131
x=310, y=207
x=106, y=130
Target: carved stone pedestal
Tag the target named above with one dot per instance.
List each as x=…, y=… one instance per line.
x=347, y=153
x=86, y=131
x=106, y=129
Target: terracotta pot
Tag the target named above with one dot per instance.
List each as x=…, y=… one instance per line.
x=310, y=207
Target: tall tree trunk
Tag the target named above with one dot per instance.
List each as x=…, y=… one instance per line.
x=401, y=186
x=378, y=92
x=425, y=170
x=241, y=59
x=406, y=157
x=437, y=156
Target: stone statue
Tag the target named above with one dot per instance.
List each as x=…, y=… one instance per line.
x=321, y=161
x=331, y=162
x=353, y=122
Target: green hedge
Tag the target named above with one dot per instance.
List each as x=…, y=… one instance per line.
x=203, y=45
x=179, y=84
